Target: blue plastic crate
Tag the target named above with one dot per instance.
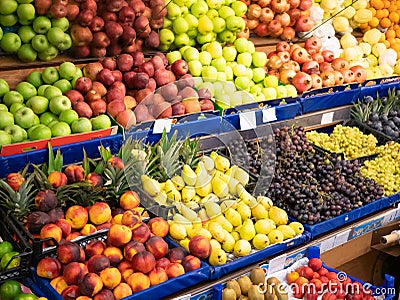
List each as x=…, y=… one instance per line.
x=329, y=97
x=379, y=89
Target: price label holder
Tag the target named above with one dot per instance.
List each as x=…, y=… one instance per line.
x=327, y=118
x=160, y=124
x=269, y=114
x=247, y=120
x=342, y=238
x=327, y=244
x=276, y=264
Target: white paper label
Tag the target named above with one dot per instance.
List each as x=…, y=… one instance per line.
x=327, y=244
x=390, y=217
x=247, y=120
x=160, y=124
x=327, y=117
x=269, y=114
x=342, y=238
x=277, y=264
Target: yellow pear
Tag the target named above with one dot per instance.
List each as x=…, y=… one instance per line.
x=188, y=213
x=204, y=190
x=217, y=231
x=219, y=187
x=265, y=201
x=229, y=243
x=243, y=194
x=232, y=185
x=222, y=163
x=223, y=222
x=198, y=223
x=185, y=243
x=217, y=257
x=162, y=186
x=242, y=248
x=242, y=176
x=199, y=231
x=278, y=215
x=232, y=171
x=203, y=215
x=177, y=231
x=188, y=175
x=215, y=244
x=208, y=163
x=297, y=227
x=213, y=155
x=178, y=182
x=260, y=241
x=210, y=198
x=172, y=193
x=228, y=204
x=287, y=231
x=197, y=198
x=235, y=235
x=150, y=185
x=212, y=209
x=161, y=198
x=275, y=236
x=233, y=217
x=259, y=212
x=192, y=205
x=247, y=231
x=244, y=211
x=178, y=218
x=188, y=193
x=264, y=226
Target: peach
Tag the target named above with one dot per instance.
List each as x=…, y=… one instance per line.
x=132, y=248
x=90, y=284
x=88, y=229
x=71, y=292
x=51, y=231
x=117, y=219
x=119, y=235
x=97, y=263
x=105, y=225
x=46, y=200
x=141, y=233
x=74, y=173
x=292, y=277
x=99, y=213
x=82, y=255
x=122, y=290
x=49, y=268
x=77, y=216
x=124, y=265
x=59, y=284
x=191, y=263
x=116, y=162
x=72, y=236
x=83, y=298
x=104, y=294
x=138, y=282
x=114, y=254
x=74, y=272
x=307, y=272
x=143, y=262
x=158, y=226
x=162, y=262
x=94, y=178
x=57, y=179
x=157, y=246
x=111, y=277
x=174, y=270
x=94, y=247
x=131, y=218
x=315, y=264
x=68, y=252
x=157, y=275
x=129, y=200
x=65, y=227
x=176, y=254
x=15, y=180
x=126, y=274
x=200, y=246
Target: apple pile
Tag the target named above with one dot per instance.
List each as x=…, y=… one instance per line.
x=279, y=18
x=312, y=280
x=194, y=22
x=310, y=68
x=112, y=27
x=38, y=108
x=39, y=36
x=134, y=257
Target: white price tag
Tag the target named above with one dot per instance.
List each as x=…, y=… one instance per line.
x=390, y=217
x=342, y=238
x=184, y=297
x=247, y=120
x=160, y=124
x=327, y=244
x=327, y=117
x=276, y=264
x=269, y=114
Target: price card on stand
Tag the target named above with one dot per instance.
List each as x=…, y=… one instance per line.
x=342, y=238
x=276, y=264
x=269, y=114
x=247, y=120
x=327, y=118
x=327, y=244
x=160, y=124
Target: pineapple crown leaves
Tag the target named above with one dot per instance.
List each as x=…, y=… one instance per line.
x=40, y=180
x=81, y=193
x=188, y=152
x=54, y=163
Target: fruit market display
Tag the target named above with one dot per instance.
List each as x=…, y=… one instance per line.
x=14, y=290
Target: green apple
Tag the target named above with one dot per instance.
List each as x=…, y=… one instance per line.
x=271, y=81
x=25, y=1
x=173, y=11
x=291, y=90
x=26, y=53
x=184, y=11
x=10, y=42
x=192, y=21
x=190, y=54
x=199, y=8
x=258, y=74
x=251, y=47
x=55, y=36
x=205, y=25
x=183, y=49
x=15, y=106
x=225, y=12
x=68, y=116
x=209, y=73
x=39, y=132
x=6, y=118
x=180, y=25
x=239, y=70
x=59, y=104
x=50, y=53
x=5, y=138
x=205, y=58
x=26, y=12
x=25, y=117
x=38, y=104
x=215, y=49
x=241, y=45
x=219, y=63
x=173, y=56
x=249, y=74
x=8, y=20
x=192, y=33
x=204, y=38
x=219, y=24
x=259, y=59
x=240, y=8
x=1, y=33
x=242, y=82
x=167, y=23
x=269, y=93
x=235, y=24
x=67, y=70
x=63, y=84
x=3, y=107
x=50, y=75
x=41, y=24
x=195, y=67
x=81, y=125
x=8, y=7
x=281, y=91
x=181, y=40
x=42, y=88
x=244, y=59
x=215, y=4
x=167, y=37
x=62, y=23
x=26, y=33
x=65, y=43
x=4, y=87
x=26, y=89
x=60, y=129
x=35, y=78
x=52, y=123
x=101, y=122
x=221, y=76
x=40, y=43
x=16, y=133
x=78, y=72
x=226, y=36
x=229, y=73
x=47, y=117
x=212, y=13
x=256, y=90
